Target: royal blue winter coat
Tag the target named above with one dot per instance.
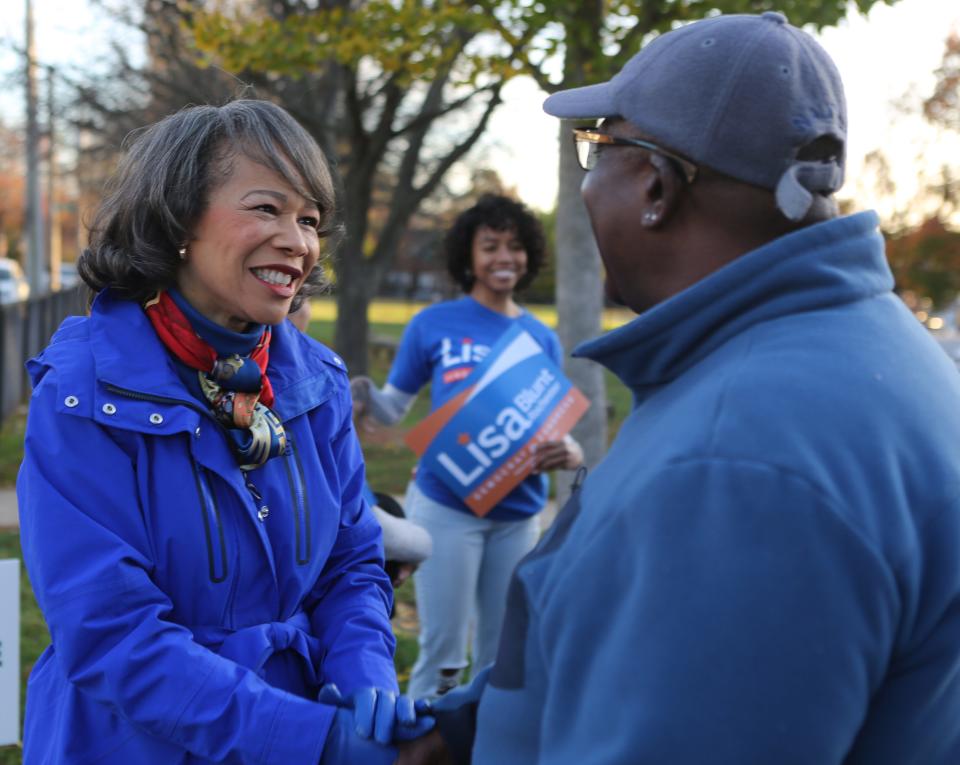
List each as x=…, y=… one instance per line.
x=195, y=609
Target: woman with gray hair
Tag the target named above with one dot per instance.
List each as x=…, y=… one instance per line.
x=191, y=492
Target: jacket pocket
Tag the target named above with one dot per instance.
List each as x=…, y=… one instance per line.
x=299, y=503
x=212, y=526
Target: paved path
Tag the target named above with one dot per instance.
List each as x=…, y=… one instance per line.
x=8, y=509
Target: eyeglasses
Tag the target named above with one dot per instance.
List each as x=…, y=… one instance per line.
x=589, y=140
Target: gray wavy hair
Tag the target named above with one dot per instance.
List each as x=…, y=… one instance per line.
x=162, y=185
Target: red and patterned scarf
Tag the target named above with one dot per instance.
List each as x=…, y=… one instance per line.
x=177, y=334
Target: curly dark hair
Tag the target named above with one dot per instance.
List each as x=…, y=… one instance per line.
x=501, y=214
x=163, y=183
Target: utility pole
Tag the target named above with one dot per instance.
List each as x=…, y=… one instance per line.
x=34, y=209
x=53, y=209
x=79, y=242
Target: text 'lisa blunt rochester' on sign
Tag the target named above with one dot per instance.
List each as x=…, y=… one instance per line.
x=9, y=651
x=482, y=441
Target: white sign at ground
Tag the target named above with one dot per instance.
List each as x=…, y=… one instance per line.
x=9, y=651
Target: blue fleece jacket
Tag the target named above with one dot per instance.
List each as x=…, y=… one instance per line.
x=766, y=567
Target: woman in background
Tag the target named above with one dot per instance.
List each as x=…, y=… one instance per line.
x=191, y=492
x=493, y=249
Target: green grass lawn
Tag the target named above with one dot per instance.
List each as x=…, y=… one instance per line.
x=389, y=463
x=11, y=446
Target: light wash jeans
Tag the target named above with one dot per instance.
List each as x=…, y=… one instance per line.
x=463, y=582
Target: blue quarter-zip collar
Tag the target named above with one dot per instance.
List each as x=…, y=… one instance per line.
x=827, y=264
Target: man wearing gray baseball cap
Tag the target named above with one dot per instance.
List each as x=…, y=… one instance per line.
x=765, y=568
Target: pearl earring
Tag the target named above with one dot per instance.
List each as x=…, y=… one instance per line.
x=182, y=252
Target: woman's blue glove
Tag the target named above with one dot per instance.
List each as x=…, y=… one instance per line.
x=382, y=715
x=343, y=745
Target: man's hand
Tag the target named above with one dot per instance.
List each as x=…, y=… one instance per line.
x=426, y=750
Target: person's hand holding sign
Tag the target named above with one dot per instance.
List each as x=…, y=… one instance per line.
x=557, y=455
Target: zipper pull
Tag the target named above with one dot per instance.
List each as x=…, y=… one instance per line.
x=250, y=486
x=263, y=512
x=578, y=479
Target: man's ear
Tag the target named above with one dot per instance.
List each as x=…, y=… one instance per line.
x=662, y=187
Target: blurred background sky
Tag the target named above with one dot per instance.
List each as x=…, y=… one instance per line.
x=887, y=60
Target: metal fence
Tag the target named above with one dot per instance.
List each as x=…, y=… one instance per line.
x=25, y=329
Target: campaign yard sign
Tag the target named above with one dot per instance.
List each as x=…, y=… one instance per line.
x=9, y=651
x=481, y=442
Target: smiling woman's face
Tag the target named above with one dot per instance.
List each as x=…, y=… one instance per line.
x=252, y=248
x=499, y=261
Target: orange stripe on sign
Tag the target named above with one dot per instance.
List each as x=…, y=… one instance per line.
x=419, y=437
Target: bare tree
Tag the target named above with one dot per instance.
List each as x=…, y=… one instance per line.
x=399, y=93
x=943, y=108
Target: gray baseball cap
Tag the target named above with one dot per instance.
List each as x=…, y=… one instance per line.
x=740, y=94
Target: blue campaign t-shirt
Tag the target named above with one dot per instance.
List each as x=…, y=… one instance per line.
x=441, y=345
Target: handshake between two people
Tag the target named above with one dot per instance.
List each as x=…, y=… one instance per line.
x=371, y=723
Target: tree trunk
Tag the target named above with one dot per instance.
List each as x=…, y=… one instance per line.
x=579, y=305
x=353, y=301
